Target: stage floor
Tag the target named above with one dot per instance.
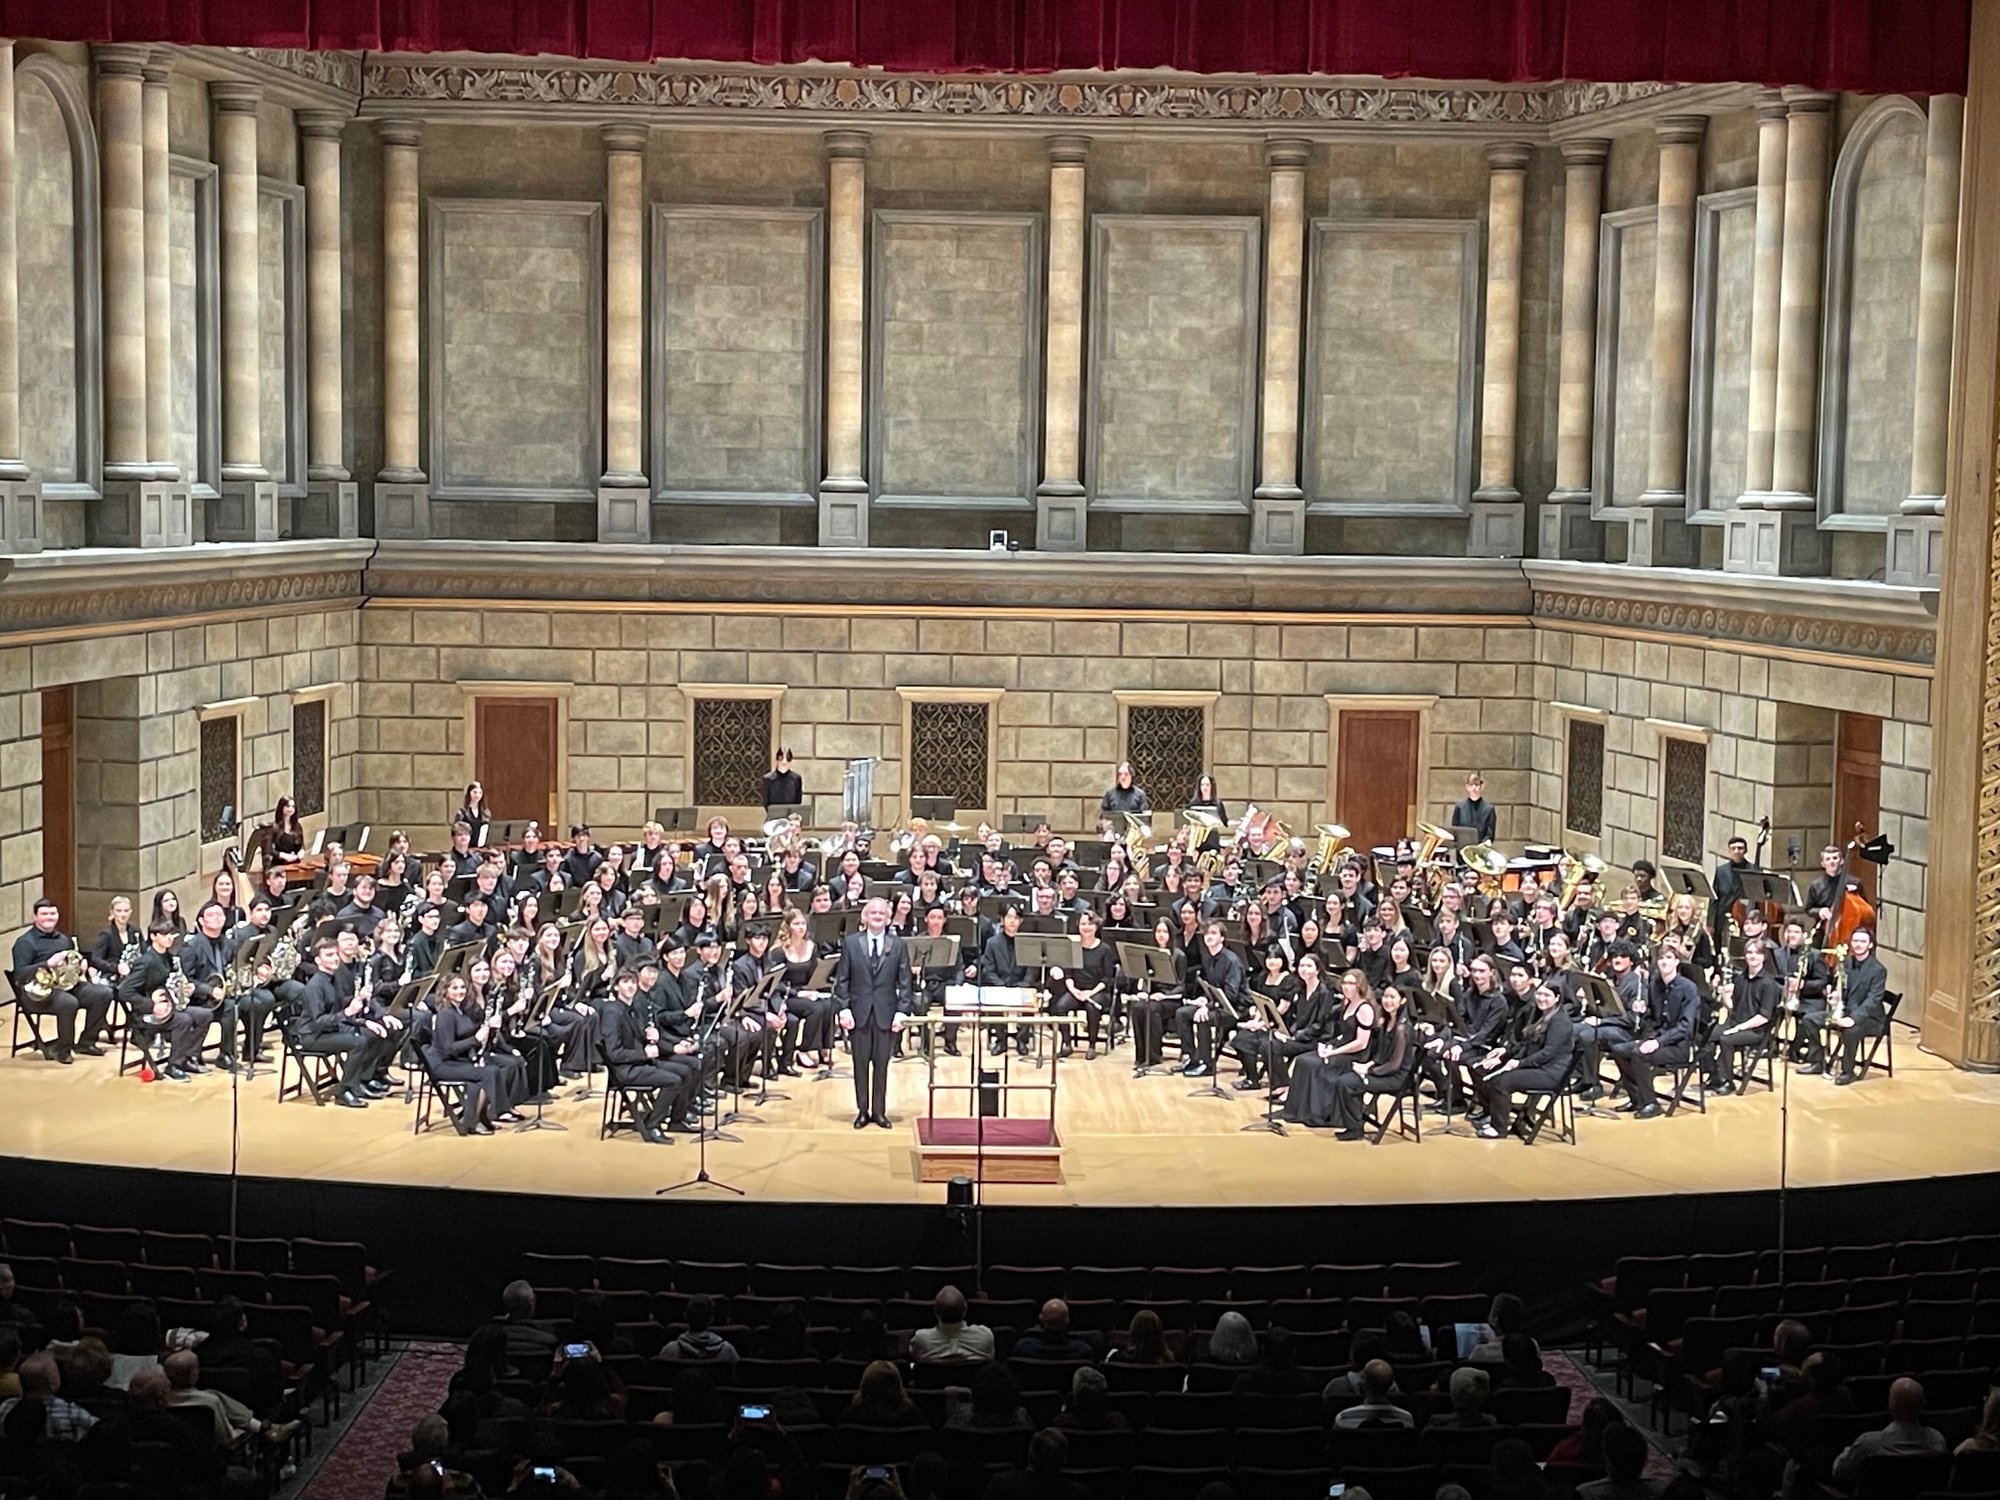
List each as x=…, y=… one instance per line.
x=1129, y=1142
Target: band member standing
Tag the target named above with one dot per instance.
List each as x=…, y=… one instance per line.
x=1667, y=1031
x=872, y=988
x=1825, y=895
x=1751, y=997
x=783, y=786
x=1474, y=811
x=1195, y=1023
x=1728, y=886
x=33, y=950
x=473, y=812
x=1864, y=1013
x=143, y=991
x=1123, y=795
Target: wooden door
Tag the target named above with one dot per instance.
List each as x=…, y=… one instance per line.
x=1375, y=777
x=514, y=757
x=1857, y=790
x=59, y=803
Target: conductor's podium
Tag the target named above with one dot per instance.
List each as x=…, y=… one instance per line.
x=991, y=1128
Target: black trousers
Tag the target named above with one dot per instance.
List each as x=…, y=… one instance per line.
x=1809, y=1035
x=1253, y=1045
x=873, y=1047
x=667, y=1082
x=1149, y=1027
x=1853, y=1037
x=1495, y=1089
x=93, y=1000
x=362, y=1053
x=1638, y=1069
x=1066, y=1004
x=1724, y=1050
x=182, y=1031
x=928, y=998
x=1197, y=1037
x=247, y=1012
x=1594, y=1041
x=808, y=1024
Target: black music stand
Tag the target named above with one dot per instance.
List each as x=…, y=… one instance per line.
x=930, y=953
x=1688, y=881
x=831, y=928
x=934, y=809
x=674, y=819
x=668, y=912
x=1769, y=887
x=1274, y=1028
x=1219, y=1007
x=1042, y=952
x=1442, y=1012
x=762, y=990
x=1151, y=966
x=1600, y=997
x=821, y=978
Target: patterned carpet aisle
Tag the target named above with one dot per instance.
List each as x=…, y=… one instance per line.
x=1572, y=1371
x=362, y=1459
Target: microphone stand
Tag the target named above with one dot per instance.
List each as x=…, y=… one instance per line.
x=1270, y=1122
x=704, y=1134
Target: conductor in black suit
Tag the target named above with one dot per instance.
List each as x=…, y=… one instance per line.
x=872, y=989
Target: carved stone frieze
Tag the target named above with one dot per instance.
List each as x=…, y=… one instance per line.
x=339, y=70
x=1985, y=990
x=1835, y=636
x=59, y=591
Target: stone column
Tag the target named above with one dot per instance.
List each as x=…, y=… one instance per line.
x=1498, y=517
x=1767, y=259
x=1916, y=535
x=843, y=493
x=159, y=277
x=402, y=493
x=1781, y=537
x=1563, y=525
x=330, y=507
x=247, y=508
x=1278, y=505
x=624, y=507
x=1658, y=535
x=20, y=501
x=135, y=511
x=1060, y=505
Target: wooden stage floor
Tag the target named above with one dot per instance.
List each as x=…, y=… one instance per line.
x=1129, y=1143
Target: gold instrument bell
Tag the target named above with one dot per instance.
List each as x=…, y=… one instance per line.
x=1573, y=873
x=1138, y=838
x=1435, y=838
x=1486, y=861
x=1331, y=837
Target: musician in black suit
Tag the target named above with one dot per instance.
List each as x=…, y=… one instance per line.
x=871, y=986
x=1196, y=1024
x=1475, y=811
x=1865, y=1009
x=142, y=989
x=998, y=967
x=35, y=949
x=1746, y=1027
x=337, y=1023
x=633, y=1059
x=1803, y=974
x=1667, y=1036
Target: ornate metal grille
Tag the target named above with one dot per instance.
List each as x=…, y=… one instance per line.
x=1165, y=745
x=309, y=756
x=732, y=743
x=948, y=752
x=1585, y=803
x=1684, y=800
x=218, y=776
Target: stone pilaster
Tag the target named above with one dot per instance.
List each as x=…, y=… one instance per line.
x=135, y=509
x=624, y=506
x=1917, y=535
x=1658, y=535
x=1060, y=505
x=1766, y=266
x=330, y=507
x=402, y=493
x=1498, y=517
x=843, y=492
x=1564, y=528
x=20, y=500
x=247, y=508
x=159, y=278
x=1278, y=505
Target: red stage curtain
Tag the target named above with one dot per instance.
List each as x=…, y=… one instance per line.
x=1916, y=46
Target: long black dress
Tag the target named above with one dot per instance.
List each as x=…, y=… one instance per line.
x=1323, y=1089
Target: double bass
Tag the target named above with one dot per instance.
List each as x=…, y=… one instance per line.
x=1853, y=913
x=1774, y=911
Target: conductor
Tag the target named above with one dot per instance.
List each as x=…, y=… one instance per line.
x=872, y=989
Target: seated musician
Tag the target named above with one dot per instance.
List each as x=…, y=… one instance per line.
x=204, y=962
x=1482, y=1011
x=582, y=860
x=1864, y=984
x=1597, y=1034
x=745, y=972
x=1690, y=934
x=1633, y=927
x=1506, y=947
x=334, y=895
x=525, y=863
x=1757, y=934
x=36, y=949
x=282, y=839
x=1197, y=1025
x=460, y=1050
x=1393, y=1051
x=1089, y=987
x=476, y=923
x=610, y=884
x=1539, y=1060
x=1803, y=972
x=1750, y=997
x=142, y=990
x=809, y=1013
x=337, y=1022
x=1150, y=1010
x=105, y=961
x=461, y=858
x=1255, y=1036
x=635, y=1058
x=796, y=873
x=1323, y=1092
x=1668, y=1017
x=361, y=911
x=630, y=946
x=999, y=968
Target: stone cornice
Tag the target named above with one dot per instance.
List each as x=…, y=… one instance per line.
x=1318, y=108
x=62, y=591
x=300, y=79
x=922, y=579
x=1822, y=616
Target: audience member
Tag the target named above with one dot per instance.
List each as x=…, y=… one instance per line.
x=593, y=1322
x=41, y=1384
x=953, y=1340
x=1504, y=1316
x=1985, y=1438
x=1050, y=1338
x=525, y=1337
x=1145, y=1342
x=992, y=1405
x=1403, y=1340
x=1374, y=1409
x=1089, y=1407
x=176, y=1457
x=1043, y=1479
x=135, y=1343
x=1524, y=1362
x=1469, y=1388
x=1277, y=1373
x=1367, y=1347
x=230, y=1347
x=1233, y=1342
x=1905, y=1433
x=1624, y=1464
x=1586, y=1444
x=10, y=1361
x=865, y=1339
x=582, y=1389
x=881, y=1401
x=11, y=1310
x=783, y=1335
x=430, y=1447
x=234, y=1422
x=699, y=1343
x=1515, y=1473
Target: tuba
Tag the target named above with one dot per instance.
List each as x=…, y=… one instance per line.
x=1574, y=874
x=1138, y=839
x=1488, y=863
x=1331, y=837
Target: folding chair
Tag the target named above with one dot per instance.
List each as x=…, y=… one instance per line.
x=1683, y=1074
x=624, y=1106
x=1882, y=1045
x=1401, y=1107
x=318, y=1072
x=22, y=1013
x=1546, y=1107
x=432, y=1090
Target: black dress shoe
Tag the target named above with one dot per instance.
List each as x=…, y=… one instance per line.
x=462, y=1125
x=1244, y=1085
x=1352, y=1133
x=881, y=1122
x=176, y=1074
x=89, y=1049
x=1843, y=1080
x=347, y=1098
x=861, y=1122
x=1646, y=1112
x=655, y=1135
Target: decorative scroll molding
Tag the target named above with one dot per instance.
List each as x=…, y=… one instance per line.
x=55, y=591
x=1984, y=1010
x=1818, y=633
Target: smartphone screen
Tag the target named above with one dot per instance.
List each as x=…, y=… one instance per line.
x=576, y=1351
x=753, y=1413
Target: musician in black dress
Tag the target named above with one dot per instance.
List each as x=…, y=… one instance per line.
x=1123, y=796
x=1318, y=1095
x=1311, y=1020
x=1539, y=1060
x=1864, y=984
x=782, y=785
x=1088, y=987
x=1151, y=1009
x=1196, y=1022
x=1255, y=1036
x=1750, y=998
x=460, y=1051
x=1394, y=1052
x=809, y=1012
